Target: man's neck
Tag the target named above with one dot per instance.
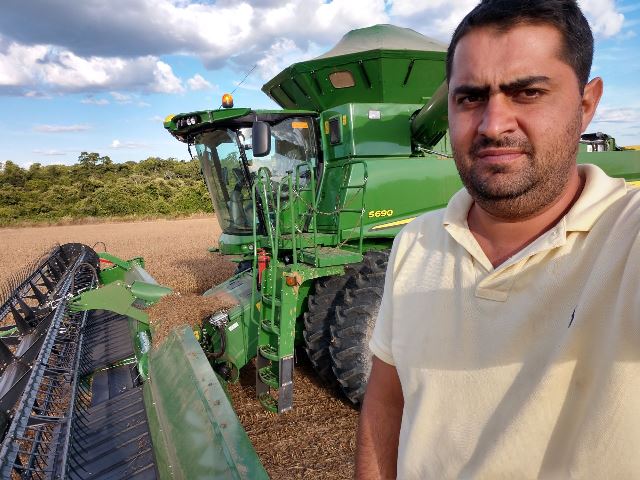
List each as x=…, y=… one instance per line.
x=501, y=239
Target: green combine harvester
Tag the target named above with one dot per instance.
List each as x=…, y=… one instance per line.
x=309, y=199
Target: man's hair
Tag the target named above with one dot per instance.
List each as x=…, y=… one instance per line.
x=564, y=15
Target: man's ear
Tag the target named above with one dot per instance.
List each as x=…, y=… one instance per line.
x=590, y=99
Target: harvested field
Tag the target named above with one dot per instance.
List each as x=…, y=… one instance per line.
x=316, y=439
x=175, y=250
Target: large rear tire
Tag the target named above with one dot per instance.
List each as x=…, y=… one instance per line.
x=329, y=292
x=353, y=324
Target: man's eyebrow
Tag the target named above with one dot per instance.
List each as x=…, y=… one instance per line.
x=516, y=85
x=472, y=90
x=523, y=83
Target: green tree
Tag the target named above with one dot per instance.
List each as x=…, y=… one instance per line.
x=88, y=160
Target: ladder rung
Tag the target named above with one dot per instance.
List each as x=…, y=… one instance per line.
x=269, y=351
x=268, y=402
x=268, y=299
x=267, y=327
x=268, y=377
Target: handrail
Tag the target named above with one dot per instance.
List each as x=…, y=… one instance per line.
x=345, y=186
x=314, y=197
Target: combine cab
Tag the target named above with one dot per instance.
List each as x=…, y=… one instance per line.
x=309, y=199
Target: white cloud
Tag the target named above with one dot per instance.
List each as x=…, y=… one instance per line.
x=617, y=115
x=628, y=35
x=436, y=19
x=50, y=153
x=94, y=101
x=37, y=94
x=43, y=67
x=121, y=98
x=605, y=19
x=61, y=128
x=117, y=144
x=128, y=99
x=198, y=82
x=164, y=80
x=90, y=46
x=439, y=18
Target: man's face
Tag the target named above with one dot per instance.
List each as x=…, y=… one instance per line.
x=515, y=118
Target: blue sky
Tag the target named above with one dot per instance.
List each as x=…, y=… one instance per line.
x=100, y=75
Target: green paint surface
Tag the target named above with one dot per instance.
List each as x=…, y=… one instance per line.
x=196, y=434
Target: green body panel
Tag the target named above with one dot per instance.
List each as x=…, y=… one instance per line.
x=398, y=189
x=282, y=301
x=208, y=118
x=235, y=244
x=115, y=268
x=385, y=134
x=195, y=432
x=119, y=297
x=240, y=332
x=387, y=64
x=623, y=164
x=431, y=123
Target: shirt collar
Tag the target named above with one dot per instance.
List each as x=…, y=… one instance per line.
x=599, y=192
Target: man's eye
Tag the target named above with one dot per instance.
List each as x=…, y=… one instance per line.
x=469, y=99
x=529, y=93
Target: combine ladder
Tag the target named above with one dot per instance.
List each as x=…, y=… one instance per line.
x=275, y=292
x=275, y=359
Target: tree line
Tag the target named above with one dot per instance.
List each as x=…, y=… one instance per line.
x=98, y=187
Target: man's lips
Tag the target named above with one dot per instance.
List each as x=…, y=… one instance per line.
x=499, y=154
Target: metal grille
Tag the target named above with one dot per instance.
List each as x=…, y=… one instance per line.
x=37, y=441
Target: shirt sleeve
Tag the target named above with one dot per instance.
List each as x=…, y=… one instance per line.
x=380, y=343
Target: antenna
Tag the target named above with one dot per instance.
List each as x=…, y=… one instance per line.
x=245, y=77
x=242, y=81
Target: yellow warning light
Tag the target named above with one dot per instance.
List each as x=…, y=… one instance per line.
x=169, y=118
x=227, y=100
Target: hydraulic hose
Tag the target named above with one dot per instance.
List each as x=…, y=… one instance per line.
x=223, y=342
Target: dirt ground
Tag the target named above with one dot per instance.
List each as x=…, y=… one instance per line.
x=316, y=439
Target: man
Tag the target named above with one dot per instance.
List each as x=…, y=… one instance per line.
x=508, y=339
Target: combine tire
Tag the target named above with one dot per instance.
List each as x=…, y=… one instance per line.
x=353, y=324
x=329, y=292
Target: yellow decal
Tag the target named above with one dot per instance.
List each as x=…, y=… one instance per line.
x=326, y=127
x=392, y=224
x=258, y=306
x=635, y=183
x=380, y=213
x=196, y=333
x=344, y=119
x=299, y=125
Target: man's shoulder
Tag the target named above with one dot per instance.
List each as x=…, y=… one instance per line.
x=629, y=204
x=427, y=223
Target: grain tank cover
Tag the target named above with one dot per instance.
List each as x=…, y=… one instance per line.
x=379, y=64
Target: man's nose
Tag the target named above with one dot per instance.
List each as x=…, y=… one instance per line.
x=498, y=117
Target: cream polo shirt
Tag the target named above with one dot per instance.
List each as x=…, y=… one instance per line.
x=528, y=370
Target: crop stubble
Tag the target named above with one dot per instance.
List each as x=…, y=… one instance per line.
x=316, y=439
